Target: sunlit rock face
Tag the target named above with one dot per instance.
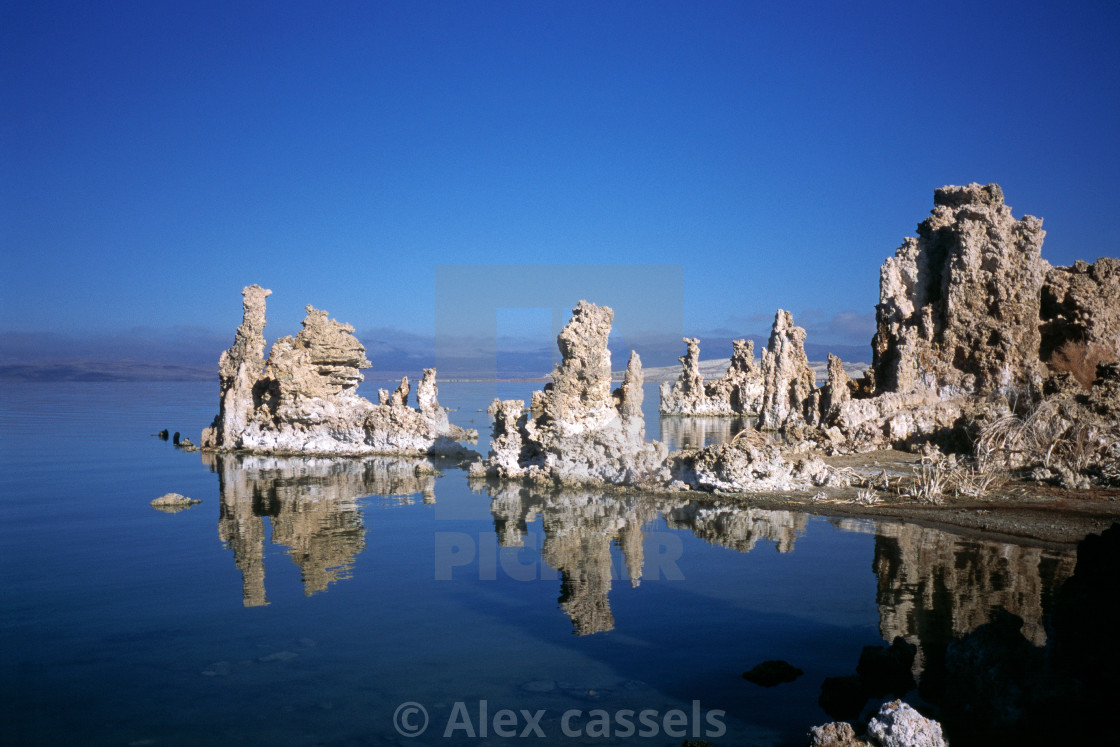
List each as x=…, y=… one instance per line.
x=958, y=316
x=935, y=586
x=1081, y=303
x=312, y=506
x=579, y=431
x=958, y=306
x=789, y=396
x=302, y=399
x=837, y=389
x=743, y=466
x=239, y=371
x=738, y=392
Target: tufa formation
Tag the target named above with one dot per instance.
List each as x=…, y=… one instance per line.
x=302, y=399
x=579, y=431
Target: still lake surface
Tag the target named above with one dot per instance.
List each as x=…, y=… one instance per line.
x=304, y=601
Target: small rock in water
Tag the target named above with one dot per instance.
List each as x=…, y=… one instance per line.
x=173, y=502
x=773, y=672
x=887, y=670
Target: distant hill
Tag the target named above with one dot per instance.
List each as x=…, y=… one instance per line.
x=89, y=370
x=659, y=363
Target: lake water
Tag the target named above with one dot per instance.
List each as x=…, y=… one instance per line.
x=310, y=602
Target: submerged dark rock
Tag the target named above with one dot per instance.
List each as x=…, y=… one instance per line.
x=843, y=698
x=773, y=672
x=886, y=669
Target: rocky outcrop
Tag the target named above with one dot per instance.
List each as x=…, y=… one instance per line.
x=959, y=317
x=576, y=432
x=894, y=419
x=173, y=503
x=898, y=725
x=835, y=734
x=686, y=395
x=302, y=400
x=239, y=372
x=324, y=360
x=789, y=396
x=738, y=392
x=579, y=431
x=958, y=306
x=1081, y=304
x=837, y=389
x=749, y=466
x=895, y=725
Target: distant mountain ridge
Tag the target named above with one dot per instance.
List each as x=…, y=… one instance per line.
x=87, y=370
x=25, y=364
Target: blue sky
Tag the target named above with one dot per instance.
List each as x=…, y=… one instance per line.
x=155, y=157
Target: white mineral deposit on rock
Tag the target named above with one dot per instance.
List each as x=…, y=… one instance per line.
x=895, y=725
x=173, y=502
x=959, y=305
x=898, y=725
x=580, y=431
x=738, y=392
x=302, y=399
x=789, y=396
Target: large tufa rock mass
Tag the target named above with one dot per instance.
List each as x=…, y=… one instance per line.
x=580, y=431
x=302, y=399
x=958, y=305
x=789, y=396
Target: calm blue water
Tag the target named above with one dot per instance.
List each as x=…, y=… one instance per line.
x=303, y=602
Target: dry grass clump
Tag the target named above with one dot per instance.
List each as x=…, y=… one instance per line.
x=939, y=476
x=866, y=497
x=978, y=478
x=1017, y=440
x=751, y=437
x=1053, y=435
x=1081, y=360
x=932, y=479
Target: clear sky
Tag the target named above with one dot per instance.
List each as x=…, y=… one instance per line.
x=155, y=157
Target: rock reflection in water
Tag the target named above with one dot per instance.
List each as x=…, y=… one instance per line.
x=312, y=506
x=739, y=527
x=696, y=432
x=935, y=586
x=580, y=526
